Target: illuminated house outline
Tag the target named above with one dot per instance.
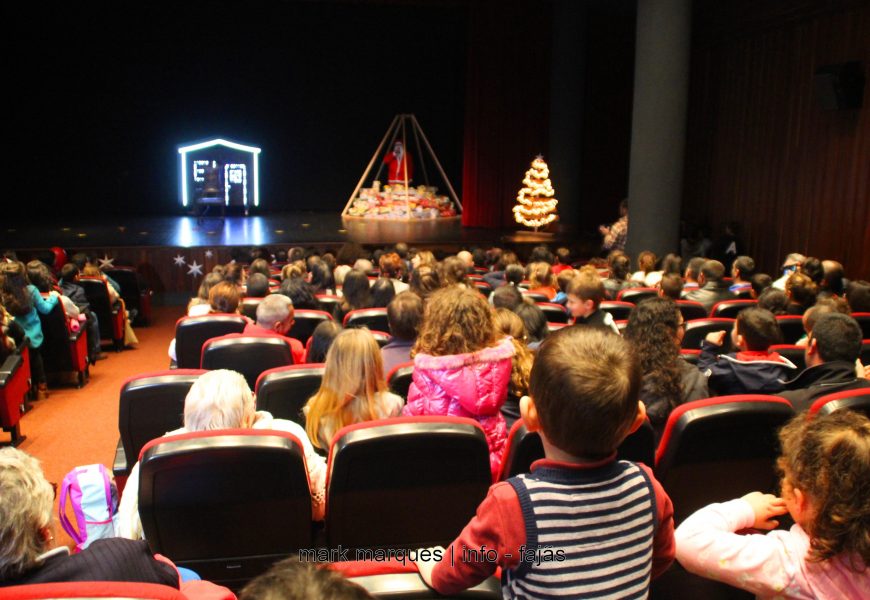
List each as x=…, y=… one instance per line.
x=184, y=165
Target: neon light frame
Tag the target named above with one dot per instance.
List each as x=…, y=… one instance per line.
x=183, y=150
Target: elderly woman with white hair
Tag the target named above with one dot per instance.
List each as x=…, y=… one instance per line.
x=221, y=399
x=26, y=537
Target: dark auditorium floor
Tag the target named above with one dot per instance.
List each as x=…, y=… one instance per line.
x=74, y=427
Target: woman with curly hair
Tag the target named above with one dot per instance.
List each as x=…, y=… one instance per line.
x=462, y=365
x=655, y=330
x=508, y=323
x=825, y=467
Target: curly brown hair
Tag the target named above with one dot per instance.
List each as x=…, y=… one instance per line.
x=828, y=459
x=508, y=323
x=652, y=333
x=455, y=321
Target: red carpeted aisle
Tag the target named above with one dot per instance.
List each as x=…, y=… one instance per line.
x=80, y=426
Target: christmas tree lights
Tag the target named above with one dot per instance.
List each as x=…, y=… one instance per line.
x=536, y=206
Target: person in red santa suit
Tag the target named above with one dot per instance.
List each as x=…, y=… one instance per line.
x=397, y=161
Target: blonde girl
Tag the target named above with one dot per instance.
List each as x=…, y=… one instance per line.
x=353, y=388
x=825, y=467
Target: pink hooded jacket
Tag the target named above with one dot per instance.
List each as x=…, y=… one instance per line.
x=470, y=385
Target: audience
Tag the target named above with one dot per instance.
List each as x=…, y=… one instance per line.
x=320, y=341
x=424, y=280
x=858, y=295
x=754, y=369
x=742, y=270
x=646, y=274
x=275, y=318
x=535, y=323
x=801, y=291
x=655, y=330
x=301, y=294
x=383, y=292
x=542, y=281
x=404, y=314
x=693, y=271
x=583, y=403
x=509, y=324
x=393, y=269
x=258, y=286
x=825, y=466
x=462, y=365
x=791, y=264
x=585, y=294
x=671, y=286
x=712, y=287
x=507, y=296
x=292, y=579
x=69, y=287
x=758, y=284
x=353, y=388
x=199, y=305
x=773, y=300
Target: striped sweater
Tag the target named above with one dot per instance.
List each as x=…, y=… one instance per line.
x=566, y=530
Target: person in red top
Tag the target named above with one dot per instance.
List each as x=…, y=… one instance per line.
x=582, y=523
x=397, y=161
x=275, y=317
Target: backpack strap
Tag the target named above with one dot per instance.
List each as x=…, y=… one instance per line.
x=70, y=489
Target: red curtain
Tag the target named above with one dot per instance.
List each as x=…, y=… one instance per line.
x=507, y=105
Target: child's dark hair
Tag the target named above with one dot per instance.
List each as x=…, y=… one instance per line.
x=758, y=328
x=585, y=384
x=321, y=339
x=292, y=579
x=828, y=459
x=404, y=314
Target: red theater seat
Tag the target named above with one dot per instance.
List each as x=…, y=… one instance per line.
x=226, y=504
x=119, y=590
x=192, y=332
x=555, y=313
x=284, y=391
x=305, y=322
x=691, y=310
x=63, y=351
x=111, y=316
x=863, y=319
x=14, y=386
x=249, y=355
x=792, y=328
x=729, y=309
x=249, y=306
x=857, y=400
x=618, y=309
x=373, y=318
x=406, y=482
x=796, y=354
x=721, y=448
x=698, y=329
x=134, y=291
x=399, y=378
x=635, y=295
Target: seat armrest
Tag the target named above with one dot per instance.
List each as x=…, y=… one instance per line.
x=119, y=465
x=9, y=367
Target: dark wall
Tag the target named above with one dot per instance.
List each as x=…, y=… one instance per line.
x=102, y=98
x=760, y=149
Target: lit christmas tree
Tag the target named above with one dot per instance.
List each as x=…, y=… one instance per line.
x=536, y=206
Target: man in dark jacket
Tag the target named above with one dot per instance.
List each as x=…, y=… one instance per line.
x=712, y=289
x=69, y=275
x=832, y=349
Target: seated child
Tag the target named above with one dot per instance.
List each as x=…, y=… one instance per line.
x=825, y=466
x=752, y=370
x=582, y=523
x=585, y=294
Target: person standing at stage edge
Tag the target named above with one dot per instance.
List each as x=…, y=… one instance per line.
x=397, y=161
x=616, y=235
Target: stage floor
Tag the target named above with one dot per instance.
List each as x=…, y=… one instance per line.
x=256, y=230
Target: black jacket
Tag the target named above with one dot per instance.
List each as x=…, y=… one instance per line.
x=744, y=372
x=710, y=294
x=821, y=380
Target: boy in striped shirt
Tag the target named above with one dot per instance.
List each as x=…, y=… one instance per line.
x=582, y=523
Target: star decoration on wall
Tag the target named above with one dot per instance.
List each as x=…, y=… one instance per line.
x=106, y=262
x=209, y=253
x=194, y=268
x=179, y=260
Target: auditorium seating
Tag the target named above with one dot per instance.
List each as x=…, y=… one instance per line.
x=14, y=387
x=619, y=310
x=717, y=449
x=795, y=354
x=399, y=580
x=150, y=405
x=792, y=328
x=381, y=337
x=284, y=391
x=111, y=317
x=690, y=356
x=483, y=287
x=389, y=482
x=399, y=379
x=248, y=307
x=373, y=318
x=246, y=354
x=863, y=319
x=865, y=352
x=226, y=504
x=192, y=332
x=136, y=294
x=63, y=351
x=534, y=296
x=305, y=321
x=328, y=302
x=86, y=590
x=635, y=295
x=697, y=329
x=729, y=309
x=691, y=309
x=857, y=400
x=555, y=313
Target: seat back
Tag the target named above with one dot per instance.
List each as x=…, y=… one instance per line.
x=636, y=294
x=135, y=294
x=691, y=310
x=639, y=445
x=729, y=309
x=554, y=313
x=249, y=306
x=618, y=309
x=483, y=287
x=795, y=354
x=720, y=448
x=381, y=337
x=226, y=504
x=192, y=332
x=14, y=385
x=535, y=296
x=328, y=302
x=698, y=329
x=60, y=349
x=389, y=480
x=693, y=357
x=249, y=355
x=792, y=328
x=865, y=352
x=857, y=400
x=373, y=318
x=305, y=321
x=97, y=292
x=284, y=391
x=863, y=319
x=87, y=590
x=399, y=378
x=150, y=405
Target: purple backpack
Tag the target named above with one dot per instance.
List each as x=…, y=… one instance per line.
x=94, y=499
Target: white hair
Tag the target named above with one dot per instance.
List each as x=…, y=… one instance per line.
x=274, y=308
x=218, y=399
x=364, y=265
x=26, y=501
